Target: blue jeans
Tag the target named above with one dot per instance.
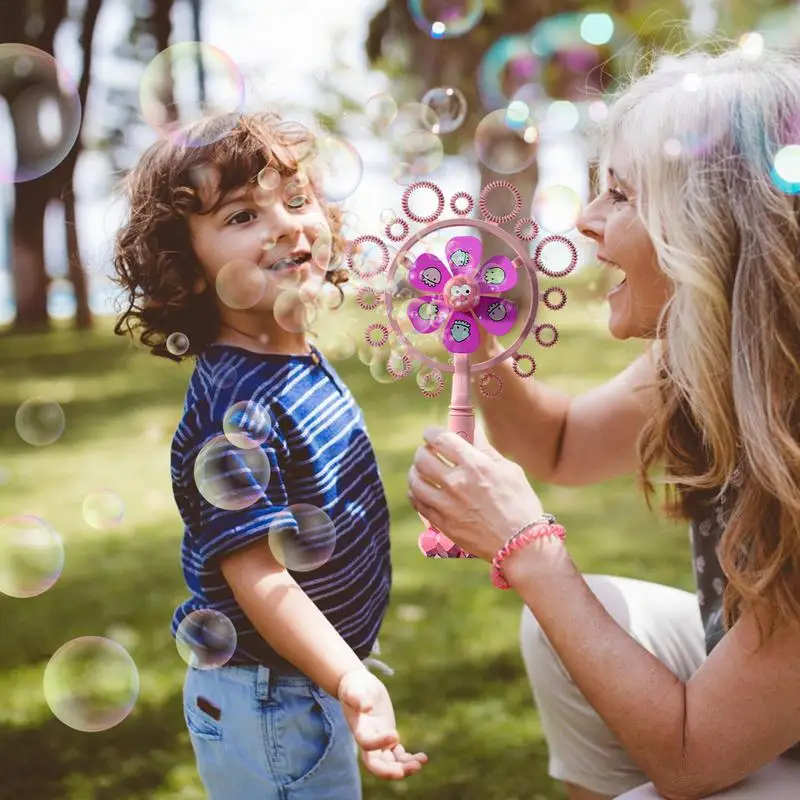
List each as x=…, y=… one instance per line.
x=260, y=736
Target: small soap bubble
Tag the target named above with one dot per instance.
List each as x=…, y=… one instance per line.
x=380, y=110
x=102, y=509
x=556, y=208
x=269, y=179
x=224, y=375
x=339, y=167
x=206, y=639
x=379, y=366
x=302, y=538
x=91, y=684
x=241, y=284
x=229, y=477
x=247, y=424
x=446, y=19
x=292, y=313
x=388, y=215
x=339, y=346
x=31, y=556
x=177, y=343
x=449, y=105
x=39, y=421
x=505, y=146
x=421, y=152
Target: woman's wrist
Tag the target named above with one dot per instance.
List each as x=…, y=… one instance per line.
x=528, y=538
x=538, y=557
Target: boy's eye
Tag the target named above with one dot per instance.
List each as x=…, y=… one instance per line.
x=241, y=217
x=298, y=201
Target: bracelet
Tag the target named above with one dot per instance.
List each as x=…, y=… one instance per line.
x=545, y=526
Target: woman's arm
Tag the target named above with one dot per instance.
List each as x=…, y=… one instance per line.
x=570, y=441
x=739, y=711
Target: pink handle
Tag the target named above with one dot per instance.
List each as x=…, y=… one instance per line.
x=461, y=420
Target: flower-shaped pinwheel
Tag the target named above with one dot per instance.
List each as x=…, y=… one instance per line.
x=461, y=294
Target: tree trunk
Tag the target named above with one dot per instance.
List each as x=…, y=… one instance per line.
x=75, y=270
x=30, y=276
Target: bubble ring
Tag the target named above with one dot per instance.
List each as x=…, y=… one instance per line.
x=484, y=382
x=397, y=374
x=462, y=212
x=393, y=236
x=438, y=385
x=439, y=205
x=521, y=371
x=549, y=303
x=368, y=237
x=521, y=223
x=549, y=240
x=361, y=298
x=490, y=187
x=538, y=331
x=379, y=328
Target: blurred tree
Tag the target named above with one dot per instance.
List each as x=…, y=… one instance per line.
x=416, y=61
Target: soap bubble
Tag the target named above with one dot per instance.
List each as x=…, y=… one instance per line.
x=292, y=313
x=339, y=167
x=556, y=208
x=39, y=421
x=229, y=477
x=102, y=509
x=421, y=152
x=247, y=424
x=446, y=19
x=91, y=684
x=206, y=639
x=506, y=67
x=169, y=99
x=380, y=110
x=241, y=284
x=31, y=556
x=45, y=108
x=449, y=105
x=302, y=538
x=177, y=343
x=505, y=146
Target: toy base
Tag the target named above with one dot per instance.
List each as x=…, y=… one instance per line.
x=434, y=544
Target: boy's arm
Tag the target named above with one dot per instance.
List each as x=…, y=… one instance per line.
x=286, y=617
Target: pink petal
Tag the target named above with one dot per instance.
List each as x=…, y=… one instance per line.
x=501, y=273
x=496, y=314
x=428, y=274
x=461, y=334
x=434, y=313
x=464, y=254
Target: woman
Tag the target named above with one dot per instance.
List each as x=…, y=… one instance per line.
x=636, y=681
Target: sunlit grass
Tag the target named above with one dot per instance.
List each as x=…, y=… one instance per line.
x=458, y=688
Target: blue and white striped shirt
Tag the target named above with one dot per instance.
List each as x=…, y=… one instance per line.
x=313, y=450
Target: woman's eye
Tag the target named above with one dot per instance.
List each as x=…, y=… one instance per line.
x=616, y=196
x=298, y=201
x=241, y=217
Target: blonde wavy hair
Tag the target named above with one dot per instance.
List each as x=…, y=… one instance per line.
x=701, y=131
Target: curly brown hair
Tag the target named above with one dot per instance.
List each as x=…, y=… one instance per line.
x=154, y=259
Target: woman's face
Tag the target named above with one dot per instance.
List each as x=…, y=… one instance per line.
x=623, y=243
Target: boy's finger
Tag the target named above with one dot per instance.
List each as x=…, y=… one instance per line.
x=376, y=741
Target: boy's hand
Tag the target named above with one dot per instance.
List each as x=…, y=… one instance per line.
x=368, y=710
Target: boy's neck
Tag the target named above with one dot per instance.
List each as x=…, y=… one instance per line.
x=290, y=344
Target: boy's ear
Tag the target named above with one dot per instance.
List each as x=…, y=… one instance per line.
x=200, y=285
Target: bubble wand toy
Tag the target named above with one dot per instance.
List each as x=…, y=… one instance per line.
x=456, y=297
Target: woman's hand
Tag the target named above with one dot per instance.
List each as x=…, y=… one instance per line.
x=479, y=499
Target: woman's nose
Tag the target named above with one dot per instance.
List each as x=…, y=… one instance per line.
x=590, y=222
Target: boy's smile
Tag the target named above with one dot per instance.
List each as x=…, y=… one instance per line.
x=254, y=247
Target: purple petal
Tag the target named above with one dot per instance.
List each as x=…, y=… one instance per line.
x=497, y=275
x=464, y=254
x=461, y=334
x=427, y=313
x=428, y=274
x=496, y=314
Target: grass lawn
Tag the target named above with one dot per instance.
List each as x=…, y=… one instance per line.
x=458, y=688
